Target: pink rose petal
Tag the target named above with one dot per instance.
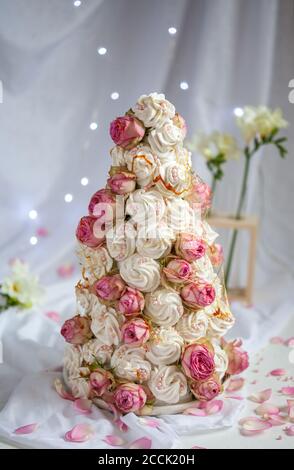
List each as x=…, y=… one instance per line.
x=214, y=406
x=289, y=430
x=267, y=409
x=261, y=397
x=276, y=420
x=278, y=372
x=287, y=390
x=235, y=397
x=65, y=270
x=195, y=412
x=83, y=405
x=290, y=409
x=290, y=342
x=53, y=316
x=252, y=425
x=142, y=443
x=277, y=340
x=235, y=384
x=42, y=232
x=279, y=438
x=197, y=447
x=27, y=429
x=152, y=422
x=113, y=440
x=79, y=433
x=62, y=392
x=123, y=427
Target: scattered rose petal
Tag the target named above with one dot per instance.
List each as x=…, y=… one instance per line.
x=42, y=232
x=279, y=438
x=276, y=420
x=152, y=422
x=27, y=429
x=290, y=409
x=287, y=390
x=235, y=384
x=197, y=447
x=123, y=427
x=278, y=372
x=252, y=425
x=256, y=371
x=267, y=409
x=289, y=430
x=261, y=397
x=290, y=342
x=62, y=392
x=277, y=340
x=214, y=406
x=235, y=397
x=113, y=440
x=195, y=412
x=83, y=405
x=142, y=443
x=53, y=316
x=65, y=270
x=254, y=382
x=79, y=433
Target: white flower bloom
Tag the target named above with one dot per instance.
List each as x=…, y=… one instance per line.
x=259, y=121
x=214, y=144
x=22, y=286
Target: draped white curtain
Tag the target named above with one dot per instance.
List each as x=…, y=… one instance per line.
x=230, y=52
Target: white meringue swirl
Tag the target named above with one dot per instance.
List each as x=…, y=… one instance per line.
x=163, y=138
x=168, y=384
x=220, y=319
x=106, y=325
x=95, y=262
x=140, y=272
x=155, y=243
x=220, y=359
x=142, y=162
x=193, y=326
x=121, y=241
x=179, y=215
x=173, y=179
x=165, y=347
x=154, y=109
x=86, y=301
x=129, y=363
x=94, y=349
x=164, y=307
x=117, y=154
x=146, y=208
x=72, y=363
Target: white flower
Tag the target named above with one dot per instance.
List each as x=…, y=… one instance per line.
x=259, y=121
x=153, y=110
x=214, y=144
x=22, y=286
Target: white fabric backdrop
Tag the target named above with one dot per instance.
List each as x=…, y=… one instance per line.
x=231, y=53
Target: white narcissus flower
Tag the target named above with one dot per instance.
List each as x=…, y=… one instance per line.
x=22, y=286
x=260, y=120
x=214, y=144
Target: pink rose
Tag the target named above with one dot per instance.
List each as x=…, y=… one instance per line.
x=206, y=390
x=190, y=247
x=238, y=359
x=198, y=294
x=200, y=195
x=129, y=397
x=102, y=206
x=86, y=234
x=131, y=302
x=178, y=271
x=216, y=254
x=198, y=362
x=127, y=131
x=135, y=332
x=77, y=330
x=109, y=287
x=180, y=122
x=122, y=183
x=100, y=381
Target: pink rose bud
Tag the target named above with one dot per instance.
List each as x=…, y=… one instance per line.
x=206, y=390
x=101, y=381
x=122, y=183
x=135, y=332
x=198, y=294
x=129, y=397
x=86, y=234
x=102, y=206
x=127, y=131
x=131, y=302
x=238, y=359
x=216, y=254
x=178, y=271
x=109, y=287
x=180, y=122
x=198, y=362
x=200, y=195
x=77, y=330
x=190, y=247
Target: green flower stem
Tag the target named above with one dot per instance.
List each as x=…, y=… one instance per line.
x=213, y=188
x=248, y=156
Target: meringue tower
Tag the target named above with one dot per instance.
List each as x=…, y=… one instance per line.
x=151, y=311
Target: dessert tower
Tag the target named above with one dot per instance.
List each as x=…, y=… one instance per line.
x=147, y=336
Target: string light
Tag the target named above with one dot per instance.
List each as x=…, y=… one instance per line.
x=33, y=214
x=238, y=112
x=101, y=50
x=184, y=85
x=33, y=240
x=68, y=197
x=172, y=30
x=93, y=126
x=114, y=95
x=77, y=3
x=84, y=181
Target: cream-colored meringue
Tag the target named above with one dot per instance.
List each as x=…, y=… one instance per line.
x=156, y=242
x=220, y=319
x=173, y=179
x=140, y=272
x=203, y=269
x=193, y=325
x=165, y=346
x=95, y=350
x=86, y=301
x=146, y=208
x=220, y=359
x=129, y=362
x=121, y=241
x=95, y=262
x=72, y=363
x=143, y=163
x=117, y=154
x=168, y=384
x=106, y=325
x=179, y=215
x=164, y=307
x=154, y=109
x=163, y=138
